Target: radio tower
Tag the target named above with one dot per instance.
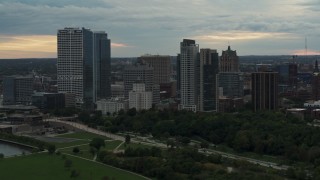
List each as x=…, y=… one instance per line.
x=306, y=47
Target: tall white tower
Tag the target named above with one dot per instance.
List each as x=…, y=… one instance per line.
x=189, y=74
x=75, y=64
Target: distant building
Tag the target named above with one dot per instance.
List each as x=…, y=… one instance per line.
x=288, y=76
x=189, y=75
x=315, y=83
x=139, y=98
x=70, y=100
x=17, y=90
x=48, y=101
x=139, y=74
x=161, y=67
x=231, y=84
x=117, y=90
x=102, y=66
x=312, y=104
x=265, y=91
x=229, y=61
x=230, y=104
x=111, y=106
x=209, y=68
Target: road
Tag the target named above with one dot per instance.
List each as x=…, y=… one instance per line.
x=161, y=145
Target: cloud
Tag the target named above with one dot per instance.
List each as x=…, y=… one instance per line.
x=119, y=45
x=157, y=26
x=242, y=35
x=303, y=52
x=27, y=46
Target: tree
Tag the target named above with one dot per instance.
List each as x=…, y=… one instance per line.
x=76, y=150
x=74, y=173
x=1, y=156
x=51, y=148
x=132, y=112
x=204, y=144
x=97, y=143
x=128, y=138
x=67, y=163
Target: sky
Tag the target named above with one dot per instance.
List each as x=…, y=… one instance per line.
x=137, y=27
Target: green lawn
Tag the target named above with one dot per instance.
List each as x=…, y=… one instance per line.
x=73, y=143
x=82, y=135
x=134, y=145
x=85, y=149
x=51, y=167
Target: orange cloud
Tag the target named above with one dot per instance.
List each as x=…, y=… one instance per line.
x=302, y=52
x=117, y=45
x=33, y=46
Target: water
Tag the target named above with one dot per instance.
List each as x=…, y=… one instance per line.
x=10, y=149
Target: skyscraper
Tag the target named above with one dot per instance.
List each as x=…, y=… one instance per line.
x=209, y=68
x=229, y=61
x=264, y=90
x=189, y=75
x=83, y=66
x=102, y=69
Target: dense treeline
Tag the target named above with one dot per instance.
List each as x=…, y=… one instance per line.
x=271, y=133
x=185, y=163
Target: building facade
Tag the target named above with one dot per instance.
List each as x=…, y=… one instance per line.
x=17, y=90
x=83, y=66
x=231, y=84
x=265, y=90
x=139, y=98
x=111, y=106
x=229, y=61
x=209, y=68
x=137, y=73
x=48, y=101
x=161, y=67
x=102, y=66
x=189, y=75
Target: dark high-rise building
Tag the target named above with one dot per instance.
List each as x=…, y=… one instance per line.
x=209, y=68
x=102, y=67
x=17, y=90
x=178, y=75
x=315, y=82
x=288, y=74
x=48, y=101
x=264, y=90
x=231, y=84
x=189, y=75
x=229, y=61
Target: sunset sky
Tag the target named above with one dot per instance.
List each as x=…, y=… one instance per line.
x=136, y=27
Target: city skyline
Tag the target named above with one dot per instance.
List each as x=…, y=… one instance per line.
x=135, y=28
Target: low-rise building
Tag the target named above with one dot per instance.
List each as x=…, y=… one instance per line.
x=111, y=106
x=139, y=98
